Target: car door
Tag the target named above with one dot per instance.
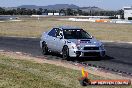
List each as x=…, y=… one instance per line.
x=59, y=40
x=51, y=39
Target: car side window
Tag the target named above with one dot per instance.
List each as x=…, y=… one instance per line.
x=52, y=33
x=59, y=32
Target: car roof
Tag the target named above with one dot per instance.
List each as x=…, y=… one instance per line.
x=69, y=27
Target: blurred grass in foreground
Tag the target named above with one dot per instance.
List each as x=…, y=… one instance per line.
x=29, y=74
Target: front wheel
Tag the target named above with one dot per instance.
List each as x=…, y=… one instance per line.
x=102, y=55
x=65, y=53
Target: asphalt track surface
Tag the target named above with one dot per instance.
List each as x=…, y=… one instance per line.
x=119, y=55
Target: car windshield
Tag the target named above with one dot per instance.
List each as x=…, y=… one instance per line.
x=76, y=34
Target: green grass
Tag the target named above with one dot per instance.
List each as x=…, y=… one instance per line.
x=29, y=74
x=34, y=28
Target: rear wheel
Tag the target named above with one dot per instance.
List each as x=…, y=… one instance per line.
x=65, y=53
x=44, y=49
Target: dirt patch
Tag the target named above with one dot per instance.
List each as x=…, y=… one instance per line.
x=91, y=70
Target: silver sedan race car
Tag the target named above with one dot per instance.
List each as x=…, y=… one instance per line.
x=71, y=42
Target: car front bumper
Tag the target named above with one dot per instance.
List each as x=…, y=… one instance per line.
x=86, y=53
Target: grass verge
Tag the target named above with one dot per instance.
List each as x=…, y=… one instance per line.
x=15, y=73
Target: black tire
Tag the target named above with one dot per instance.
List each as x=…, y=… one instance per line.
x=102, y=56
x=65, y=53
x=44, y=49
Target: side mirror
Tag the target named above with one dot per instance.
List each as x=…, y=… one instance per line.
x=60, y=37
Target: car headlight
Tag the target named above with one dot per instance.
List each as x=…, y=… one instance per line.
x=78, y=47
x=102, y=47
x=73, y=47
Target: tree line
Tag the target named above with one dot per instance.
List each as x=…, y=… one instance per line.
x=67, y=12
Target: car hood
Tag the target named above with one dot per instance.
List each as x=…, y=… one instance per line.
x=85, y=42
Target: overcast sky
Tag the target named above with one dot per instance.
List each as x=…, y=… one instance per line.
x=105, y=4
